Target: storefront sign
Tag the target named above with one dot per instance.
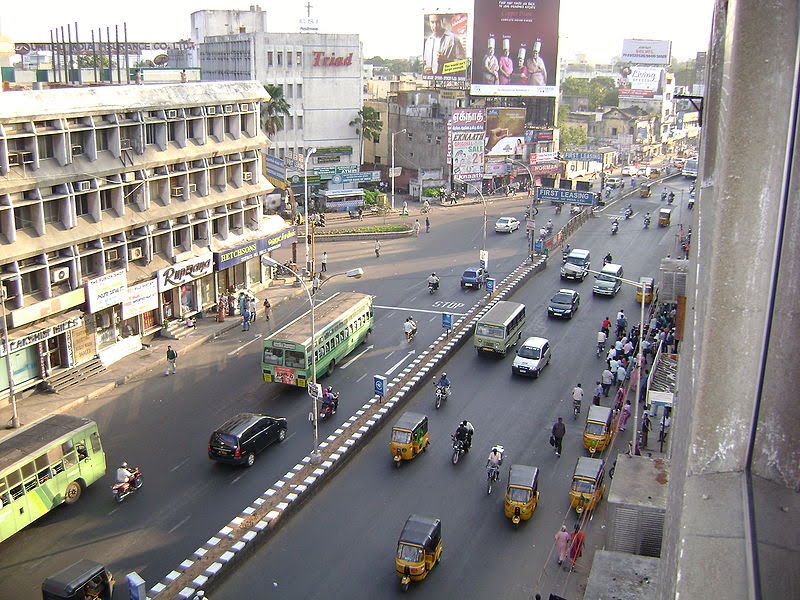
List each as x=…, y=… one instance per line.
x=41, y=335
x=106, y=290
x=282, y=238
x=542, y=168
x=184, y=272
x=229, y=258
x=140, y=298
x=557, y=195
x=583, y=156
x=51, y=306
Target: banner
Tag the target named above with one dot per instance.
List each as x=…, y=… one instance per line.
x=515, y=48
x=106, y=290
x=641, y=82
x=505, y=131
x=444, y=51
x=468, y=133
x=140, y=298
x=647, y=52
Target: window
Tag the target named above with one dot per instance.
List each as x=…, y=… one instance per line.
x=290, y=122
x=289, y=88
x=269, y=58
x=288, y=59
x=23, y=217
x=150, y=133
x=81, y=205
x=106, y=200
x=613, y=131
x=172, y=127
x=299, y=56
x=101, y=140
x=30, y=282
x=88, y=264
x=279, y=57
x=299, y=89
x=215, y=227
x=45, y=146
x=177, y=238
x=300, y=122
x=50, y=211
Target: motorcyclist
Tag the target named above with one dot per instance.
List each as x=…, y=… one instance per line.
x=444, y=384
x=464, y=433
x=494, y=461
x=433, y=281
x=549, y=225
x=664, y=196
x=608, y=259
x=671, y=198
x=628, y=211
x=614, y=226
x=565, y=252
x=647, y=219
x=330, y=398
x=124, y=473
x=408, y=328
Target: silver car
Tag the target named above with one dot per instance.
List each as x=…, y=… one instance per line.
x=506, y=225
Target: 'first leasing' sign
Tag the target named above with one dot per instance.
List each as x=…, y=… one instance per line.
x=558, y=195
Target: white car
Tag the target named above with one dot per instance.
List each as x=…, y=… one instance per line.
x=533, y=356
x=629, y=170
x=506, y=225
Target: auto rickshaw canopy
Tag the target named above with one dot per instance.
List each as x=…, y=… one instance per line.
x=422, y=531
x=665, y=213
x=70, y=580
x=648, y=283
x=523, y=476
x=409, y=421
x=588, y=468
x=645, y=190
x=599, y=414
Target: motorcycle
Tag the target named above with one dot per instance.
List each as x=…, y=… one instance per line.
x=614, y=228
x=411, y=335
x=671, y=198
x=459, y=448
x=558, y=209
x=442, y=393
x=628, y=213
x=664, y=196
x=328, y=409
x=576, y=409
x=432, y=287
x=607, y=259
x=647, y=222
x=493, y=471
x=126, y=488
x=601, y=348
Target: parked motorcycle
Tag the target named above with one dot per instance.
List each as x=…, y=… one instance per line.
x=125, y=489
x=442, y=393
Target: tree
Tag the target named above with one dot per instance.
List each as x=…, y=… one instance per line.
x=86, y=61
x=573, y=137
x=368, y=124
x=274, y=110
x=600, y=91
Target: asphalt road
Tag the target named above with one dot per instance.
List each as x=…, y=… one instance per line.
x=341, y=545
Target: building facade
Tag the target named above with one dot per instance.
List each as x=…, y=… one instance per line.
x=125, y=210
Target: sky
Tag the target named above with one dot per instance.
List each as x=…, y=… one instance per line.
x=592, y=27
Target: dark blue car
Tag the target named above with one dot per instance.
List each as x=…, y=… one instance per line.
x=474, y=277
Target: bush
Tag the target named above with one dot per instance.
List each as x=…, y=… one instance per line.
x=431, y=192
x=373, y=229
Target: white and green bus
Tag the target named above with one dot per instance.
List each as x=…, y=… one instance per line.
x=342, y=322
x=500, y=328
x=44, y=465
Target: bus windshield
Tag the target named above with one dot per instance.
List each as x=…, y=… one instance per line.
x=492, y=331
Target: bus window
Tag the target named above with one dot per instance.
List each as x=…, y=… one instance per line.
x=81, y=448
x=294, y=359
x=95, y=439
x=273, y=356
x=70, y=460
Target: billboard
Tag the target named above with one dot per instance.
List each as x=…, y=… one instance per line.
x=641, y=82
x=468, y=132
x=444, y=51
x=515, y=48
x=505, y=131
x=647, y=52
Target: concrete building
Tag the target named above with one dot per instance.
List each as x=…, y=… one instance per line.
x=124, y=211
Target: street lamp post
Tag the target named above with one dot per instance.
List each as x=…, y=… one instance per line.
x=305, y=197
x=643, y=288
x=530, y=179
x=7, y=349
x=352, y=273
x=392, y=173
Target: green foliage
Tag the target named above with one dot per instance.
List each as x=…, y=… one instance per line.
x=370, y=197
x=601, y=91
x=397, y=66
x=274, y=110
x=572, y=137
x=431, y=192
x=372, y=229
x=86, y=61
x=368, y=122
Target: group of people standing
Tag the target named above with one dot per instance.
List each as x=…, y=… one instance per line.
x=244, y=305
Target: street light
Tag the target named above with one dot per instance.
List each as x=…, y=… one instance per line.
x=477, y=189
x=353, y=274
x=392, y=173
x=530, y=178
x=305, y=194
x=7, y=348
x=642, y=287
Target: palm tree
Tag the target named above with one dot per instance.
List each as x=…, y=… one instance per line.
x=274, y=110
x=368, y=125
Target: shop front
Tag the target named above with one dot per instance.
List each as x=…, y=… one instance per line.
x=240, y=267
x=140, y=310
x=104, y=298
x=186, y=288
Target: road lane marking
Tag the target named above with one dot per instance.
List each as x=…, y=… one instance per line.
x=400, y=362
x=255, y=339
x=388, y=355
x=422, y=310
x=178, y=525
x=179, y=465
x=237, y=478
x=360, y=378
x=357, y=356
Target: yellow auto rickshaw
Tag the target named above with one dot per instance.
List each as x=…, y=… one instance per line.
x=409, y=437
x=597, y=433
x=664, y=217
x=588, y=484
x=648, y=284
x=419, y=549
x=655, y=173
x=646, y=190
x=522, y=493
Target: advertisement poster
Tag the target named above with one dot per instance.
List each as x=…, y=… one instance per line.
x=647, y=52
x=641, y=82
x=515, y=48
x=444, y=50
x=505, y=131
x=468, y=133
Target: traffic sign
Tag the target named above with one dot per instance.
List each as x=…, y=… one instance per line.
x=484, y=258
x=490, y=284
x=314, y=390
x=447, y=321
x=379, y=382
x=530, y=225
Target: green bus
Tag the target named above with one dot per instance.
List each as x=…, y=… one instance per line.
x=500, y=328
x=48, y=463
x=342, y=322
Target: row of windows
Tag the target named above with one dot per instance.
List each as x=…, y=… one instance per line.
x=278, y=58
x=342, y=335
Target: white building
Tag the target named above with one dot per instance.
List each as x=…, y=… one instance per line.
x=122, y=211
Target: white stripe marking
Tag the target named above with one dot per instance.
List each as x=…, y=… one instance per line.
x=400, y=362
x=422, y=310
x=357, y=356
x=178, y=525
x=255, y=339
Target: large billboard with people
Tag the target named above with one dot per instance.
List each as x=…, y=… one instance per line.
x=505, y=131
x=444, y=51
x=515, y=48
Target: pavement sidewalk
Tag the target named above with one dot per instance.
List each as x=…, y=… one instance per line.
x=34, y=405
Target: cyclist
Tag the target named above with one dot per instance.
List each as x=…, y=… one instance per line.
x=601, y=341
x=577, y=397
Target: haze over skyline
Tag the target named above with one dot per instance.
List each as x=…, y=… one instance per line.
x=592, y=28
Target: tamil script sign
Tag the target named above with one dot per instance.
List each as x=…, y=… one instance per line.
x=572, y=196
x=468, y=140
x=590, y=156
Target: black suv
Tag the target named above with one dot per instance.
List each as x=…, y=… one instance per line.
x=239, y=439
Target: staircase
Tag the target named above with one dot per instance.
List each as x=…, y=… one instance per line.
x=61, y=380
x=175, y=330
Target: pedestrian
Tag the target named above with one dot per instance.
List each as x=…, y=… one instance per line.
x=416, y=228
x=622, y=374
x=315, y=283
x=558, y=432
x=562, y=543
x=606, y=379
x=576, y=547
x=427, y=225
x=267, y=306
x=242, y=303
x=598, y=391
x=251, y=304
x=360, y=213
x=612, y=365
x=625, y=415
x=246, y=319
x=645, y=429
x=643, y=387
x=324, y=261
x=221, y=307
x=377, y=249
x=172, y=357
x=405, y=207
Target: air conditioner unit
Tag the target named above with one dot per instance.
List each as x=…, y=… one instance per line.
x=177, y=192
x=192, y=188
x=172, y=114
x=125, y=144
x=135, y=253
x=14, y=159
x=112, y=255
x=244, y=107
x=129, y=176
x=84, y=186
x=211, y=110
x=247, y=176
x=27, y=158
x=77, y=149
x=59, y=275
x=228, y=108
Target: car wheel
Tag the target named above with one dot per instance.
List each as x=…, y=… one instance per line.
x=281, y=435
x=250, y=460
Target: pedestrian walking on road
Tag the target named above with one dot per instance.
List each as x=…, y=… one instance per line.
x=315, y=284
x=625, y=415
x=562, y=543
x=598, y=391
x=246, y=319
x=172, y=356
x=576, y=547
x=324, y=261
x=267, y=306
x=416, y=228
x=377, y=249
x=427, y=225
x=607, y=378
x=621, y=375
x=645, y=429
x=222, y=306
x=242, y=303
x=558, y=433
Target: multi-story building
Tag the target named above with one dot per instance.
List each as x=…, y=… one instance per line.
x=122, y=210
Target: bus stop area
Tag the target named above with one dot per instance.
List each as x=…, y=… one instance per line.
x=34, y=405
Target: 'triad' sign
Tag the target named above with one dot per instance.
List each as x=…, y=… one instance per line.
x=321, y=59
x=185, y=272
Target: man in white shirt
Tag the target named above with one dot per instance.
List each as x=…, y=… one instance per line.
x=441, y=46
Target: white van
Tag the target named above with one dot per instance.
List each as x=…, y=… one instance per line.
x=607, y=283
x=576, y=264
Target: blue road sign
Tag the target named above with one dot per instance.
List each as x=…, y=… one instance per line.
x=537, y=246
x=380, y=385
x=489, y=284
x=447, y=321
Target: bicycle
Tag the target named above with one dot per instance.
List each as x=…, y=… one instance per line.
x=492, y=475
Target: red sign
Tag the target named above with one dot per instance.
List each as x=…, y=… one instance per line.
x=321, y=60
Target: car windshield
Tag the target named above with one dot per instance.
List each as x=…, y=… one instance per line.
x=530, y=352
x=504, y=221
x=562, y=299
x=409, y=553
x=469, y=274
x=604, y=277
x=595, y=428
x=401, y=437
x=574, y=260
x=492, y=331
x=516, y=494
